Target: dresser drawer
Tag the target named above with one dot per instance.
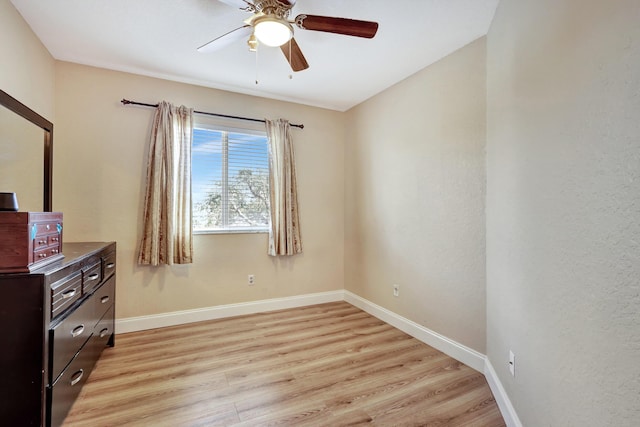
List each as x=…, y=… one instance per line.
x=104, y=298
x=69, y=335
x=64, y=293
x=103, y=331
x=91, y=277
x=109, y=265
x=66, y=388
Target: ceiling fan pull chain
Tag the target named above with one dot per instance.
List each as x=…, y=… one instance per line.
x=257, y=49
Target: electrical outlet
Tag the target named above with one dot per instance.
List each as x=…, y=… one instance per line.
x=251, y=279
x=512, y=363
x=396, y=290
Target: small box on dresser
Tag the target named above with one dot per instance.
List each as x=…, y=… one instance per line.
x=29, y=240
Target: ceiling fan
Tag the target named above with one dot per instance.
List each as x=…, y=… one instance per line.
x=270, y=25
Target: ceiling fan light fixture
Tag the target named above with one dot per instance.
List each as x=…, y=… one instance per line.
x=272, y=31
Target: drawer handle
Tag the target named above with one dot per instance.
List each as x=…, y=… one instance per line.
x=68, y=294
x=54, y=239
x=104, y=332
x=42, y=242
x=54, y=251
x=75, y=378
x=42, y=255
x=104, y=299
x=78, y=330
x=93, y=276
x=111, y=265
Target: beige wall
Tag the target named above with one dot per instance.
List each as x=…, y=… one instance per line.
x=27, y=71
x=415, y=189
x=563, y=209
x=99, y=182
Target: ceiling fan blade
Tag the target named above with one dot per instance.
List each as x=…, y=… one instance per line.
x=240, y=4
x=349, y=27
x=294, y=55
x=226, y=39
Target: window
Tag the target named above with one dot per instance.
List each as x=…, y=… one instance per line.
x=230, y=180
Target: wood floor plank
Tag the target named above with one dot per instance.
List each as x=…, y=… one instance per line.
x=324, y=365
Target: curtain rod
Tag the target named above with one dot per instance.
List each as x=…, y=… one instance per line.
x=126, y=102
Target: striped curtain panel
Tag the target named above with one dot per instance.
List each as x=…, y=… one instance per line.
x=284, y=234
x=167, y=233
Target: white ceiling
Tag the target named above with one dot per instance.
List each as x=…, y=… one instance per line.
x=159, y=38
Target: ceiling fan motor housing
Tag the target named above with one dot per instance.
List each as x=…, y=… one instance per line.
x=273, y=7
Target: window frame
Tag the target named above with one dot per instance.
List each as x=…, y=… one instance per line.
x=216, y=126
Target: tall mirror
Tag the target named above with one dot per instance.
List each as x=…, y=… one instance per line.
x=26, y=155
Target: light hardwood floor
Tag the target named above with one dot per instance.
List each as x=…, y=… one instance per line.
x=322, y=365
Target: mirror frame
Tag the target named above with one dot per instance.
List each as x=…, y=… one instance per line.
x=19, y=108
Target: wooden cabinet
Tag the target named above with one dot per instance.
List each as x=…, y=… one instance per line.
x=29, y=240
x=57, y=320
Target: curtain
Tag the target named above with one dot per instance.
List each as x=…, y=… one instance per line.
x=167, y=234
x=284, y=234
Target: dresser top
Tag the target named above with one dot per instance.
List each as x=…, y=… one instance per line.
x=74, y=250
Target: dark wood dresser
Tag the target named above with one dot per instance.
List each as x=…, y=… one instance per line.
x=57, y=320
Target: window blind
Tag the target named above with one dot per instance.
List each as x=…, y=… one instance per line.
x=230, y=180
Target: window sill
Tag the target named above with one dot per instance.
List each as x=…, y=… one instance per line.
x=244, y=231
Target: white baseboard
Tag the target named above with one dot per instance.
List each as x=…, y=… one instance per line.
x=504, y=403
x=141, y=323
x=460, y=352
